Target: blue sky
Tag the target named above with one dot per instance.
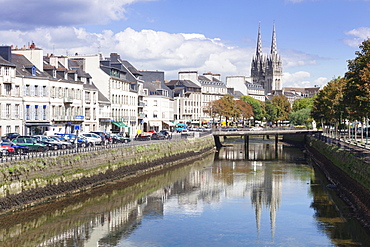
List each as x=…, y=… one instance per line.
x=314, y=37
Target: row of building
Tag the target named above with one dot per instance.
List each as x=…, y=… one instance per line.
x=43, y=92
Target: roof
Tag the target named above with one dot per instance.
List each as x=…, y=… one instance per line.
x=4, y=62
x=23, y=66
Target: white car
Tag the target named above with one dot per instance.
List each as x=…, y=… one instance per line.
x=92, y=138
x=256, y=128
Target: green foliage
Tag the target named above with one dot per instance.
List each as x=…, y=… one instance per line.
x=357, y=92
x=301, y=117
x=283, y=107
x=271, y=114
x=256, y=105
x=328, y=105
x=300, y=104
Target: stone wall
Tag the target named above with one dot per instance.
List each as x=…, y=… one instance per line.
x=30, y=181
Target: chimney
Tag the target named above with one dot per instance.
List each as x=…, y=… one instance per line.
x=6, y=53
x=114, y=57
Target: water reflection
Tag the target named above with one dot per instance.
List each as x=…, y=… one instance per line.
x=223, y=200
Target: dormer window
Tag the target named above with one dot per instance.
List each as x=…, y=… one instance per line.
x=54, y=73
x=33, y=70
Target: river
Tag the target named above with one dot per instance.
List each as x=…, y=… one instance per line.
x=275, y=198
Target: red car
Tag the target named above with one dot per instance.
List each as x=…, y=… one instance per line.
x=11, y=150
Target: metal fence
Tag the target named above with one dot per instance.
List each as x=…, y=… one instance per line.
x=53, y=153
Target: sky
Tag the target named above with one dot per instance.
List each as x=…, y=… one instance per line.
x=315, y=38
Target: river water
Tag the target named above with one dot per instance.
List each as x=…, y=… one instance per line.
x=275, y=198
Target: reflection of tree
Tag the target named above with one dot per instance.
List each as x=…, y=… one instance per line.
x=329, y=219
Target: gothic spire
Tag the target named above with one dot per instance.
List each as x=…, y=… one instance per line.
x=259, y=43
x=273, y=43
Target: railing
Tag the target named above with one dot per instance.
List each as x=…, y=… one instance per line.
x=53, y=153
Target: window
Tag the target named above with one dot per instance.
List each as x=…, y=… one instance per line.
x=36, y=112
x=8, y=89
x=155, y=103
x=44, y=91
x=43, y=114
x=33, y=70
x=27, y=91
x=16, y=111
x=36, y=90
x=6, y=70
x=17, y=129
x=17, y=90
x=8, y=129
x=27, y=113
x=87, y=96
x=7, y=111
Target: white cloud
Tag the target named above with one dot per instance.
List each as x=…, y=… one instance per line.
x=302, y=79
x=32, y=14
x=155, y=50
x=360, y=34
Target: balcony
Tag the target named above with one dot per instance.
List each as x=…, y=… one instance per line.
x=142, y=104
x=142, y=115
x=68, y=100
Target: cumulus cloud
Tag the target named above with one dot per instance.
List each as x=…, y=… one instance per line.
x=156, y=50
x=360, y=34
x=302, y=79
x=24, y=15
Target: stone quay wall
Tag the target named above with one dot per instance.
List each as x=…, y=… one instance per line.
x=28, y=182
x=349, y=175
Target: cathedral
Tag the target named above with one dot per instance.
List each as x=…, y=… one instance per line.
x=266, y=70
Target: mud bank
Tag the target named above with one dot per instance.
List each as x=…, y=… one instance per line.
x=348, y=175
x=24, y=184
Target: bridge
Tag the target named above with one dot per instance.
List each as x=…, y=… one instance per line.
x=246, y=134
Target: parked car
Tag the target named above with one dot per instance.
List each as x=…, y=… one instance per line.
x=65, y=143
x=117, y=138
x=72, y=138
x=256, y=128
x=3, y=152
x=31, y=143
x=165, y=133
x=11, y=150
x=11, y=136
x=158, y=136
x=52, y=144
x=144, y=136
x=92, y=138
x=19, y=149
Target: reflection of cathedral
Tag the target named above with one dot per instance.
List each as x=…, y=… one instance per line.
x=267, y=194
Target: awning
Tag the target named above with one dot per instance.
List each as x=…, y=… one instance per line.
x=120, y=124
x=155, y=123
x=45, y=124
x=168, y=123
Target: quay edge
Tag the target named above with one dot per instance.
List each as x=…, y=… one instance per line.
x=29, y=182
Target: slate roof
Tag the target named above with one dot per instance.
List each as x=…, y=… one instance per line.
x=4, y=62
x=23, y=66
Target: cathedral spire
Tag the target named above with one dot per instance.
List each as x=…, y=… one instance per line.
x=259, y=43
x=273, y=43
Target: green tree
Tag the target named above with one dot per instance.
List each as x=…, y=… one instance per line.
x=300, y=104
x=328, y=105
x=282, y=106
x=271, y=112
x=357, y=91
x=301, y=117
x=257, y=106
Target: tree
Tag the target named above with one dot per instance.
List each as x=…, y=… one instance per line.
x=271, y=112
x=357, y=92
x=283, y=107
x=299, y=104
x=300, y=117
x=256, y=105
x=245, y=109
x=328, y=105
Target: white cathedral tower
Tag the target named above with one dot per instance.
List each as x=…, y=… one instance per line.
x=267, y=70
